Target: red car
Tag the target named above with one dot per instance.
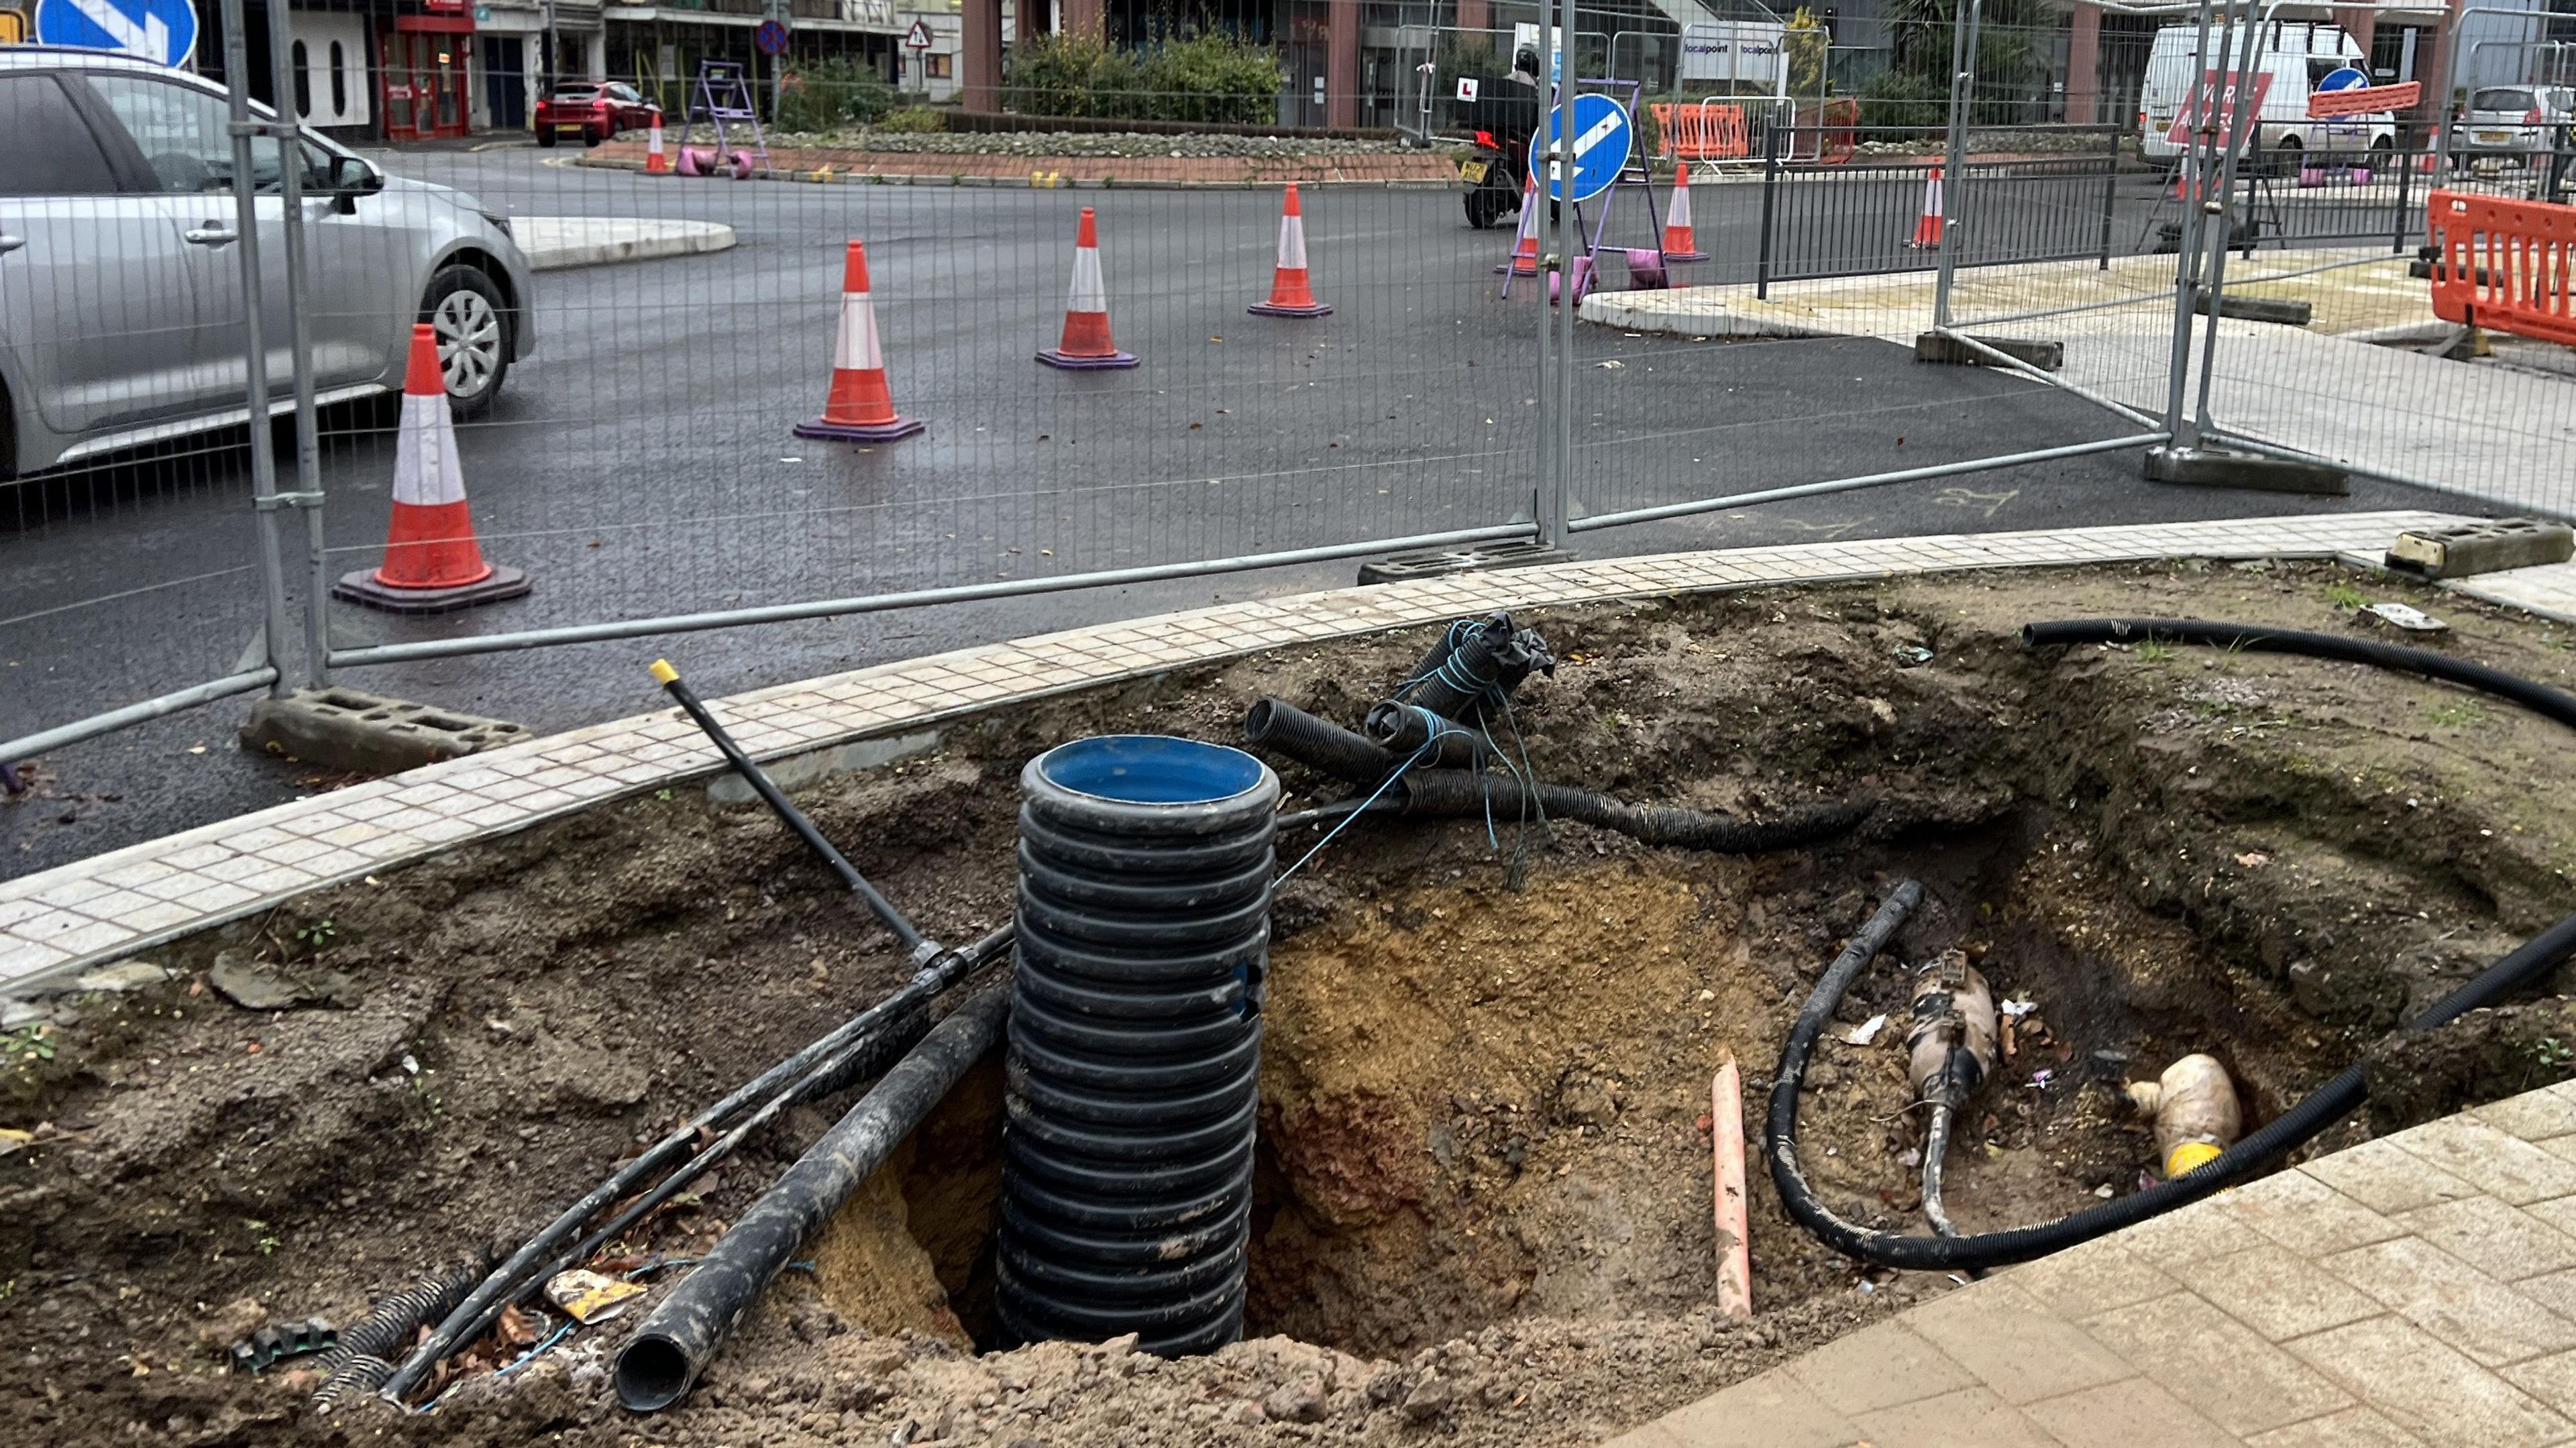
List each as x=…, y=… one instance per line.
x=594, y=110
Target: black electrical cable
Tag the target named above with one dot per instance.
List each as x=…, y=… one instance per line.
x=1459, y=792
x=2299, y=1125
x=1936, y=1145
x=878, y=905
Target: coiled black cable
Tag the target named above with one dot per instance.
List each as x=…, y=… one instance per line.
x=2292, y=1129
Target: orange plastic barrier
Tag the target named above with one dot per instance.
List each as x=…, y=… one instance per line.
x=2508, y=266
x=1837, y=124
x=1699, y=131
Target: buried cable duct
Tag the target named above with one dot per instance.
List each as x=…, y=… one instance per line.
x=1474, y=667
x=2256, y=1152
x=1456, y=792
x=1132, y=1080
x=1413, y=733
x=1319, y=744
x=672, y=1346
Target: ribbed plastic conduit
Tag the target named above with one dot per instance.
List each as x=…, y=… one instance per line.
x=1135, y=1041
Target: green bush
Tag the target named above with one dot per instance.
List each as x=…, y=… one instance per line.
x=914, y=120
x=1904, y=100
x=1213, y=78
x=831, y=95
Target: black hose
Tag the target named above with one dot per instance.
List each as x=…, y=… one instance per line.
x=832, y=1058
x=1455, y=792
x=761, y=784
x=1474, y=667
x=2539, y=698
x=668, y=1351
x=1283, y=728
x=2292, y=1129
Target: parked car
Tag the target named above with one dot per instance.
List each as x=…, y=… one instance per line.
x=121, y=313
x=2516, y=122
x=594, y=110
x=2301, y=58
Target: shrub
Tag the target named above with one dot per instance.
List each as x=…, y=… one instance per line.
x=830, y=95
x=917, y=120
x=1212, y=78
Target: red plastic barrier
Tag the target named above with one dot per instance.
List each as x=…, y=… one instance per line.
x=1698, y=131
x=2507, y=266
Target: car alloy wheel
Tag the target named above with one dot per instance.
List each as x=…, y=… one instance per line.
x=469, y=341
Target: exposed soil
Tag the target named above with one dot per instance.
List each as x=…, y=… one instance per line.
x=1483, y=1203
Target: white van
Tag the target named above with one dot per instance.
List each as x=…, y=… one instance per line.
x=2300, y=57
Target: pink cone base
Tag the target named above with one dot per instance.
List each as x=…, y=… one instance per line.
x=1055, y=358
x=857, y=432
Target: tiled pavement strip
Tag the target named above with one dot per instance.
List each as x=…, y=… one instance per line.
x=2419, y=1289
x=65, y=920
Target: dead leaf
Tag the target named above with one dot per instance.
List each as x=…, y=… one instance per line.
x=2254, y=859
x=515, y=1328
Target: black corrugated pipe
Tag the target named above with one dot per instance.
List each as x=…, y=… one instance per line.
x=1403, y=730
x=362, y=1358
x=1475, y=666
x=1133, y=1077
x=670, y=1348
x=1278, y=725
x=1455, y=792
x=2294, y=1128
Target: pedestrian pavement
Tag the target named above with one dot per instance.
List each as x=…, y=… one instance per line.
x=552, y=243
x=2500, y=434
x=57, y=923
x=2416, y=1291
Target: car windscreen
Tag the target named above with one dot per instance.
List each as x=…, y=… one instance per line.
x=576, y=93
x=2501, y=98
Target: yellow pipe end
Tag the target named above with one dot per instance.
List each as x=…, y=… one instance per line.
x=663, y=673
x=2188, y=1155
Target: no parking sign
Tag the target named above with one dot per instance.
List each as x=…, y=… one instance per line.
x=1603, y=137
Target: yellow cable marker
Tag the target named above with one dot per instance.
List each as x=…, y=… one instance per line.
x=2188, y=1155
x=664, y=673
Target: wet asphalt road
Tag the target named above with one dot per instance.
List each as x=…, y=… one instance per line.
x=640, y=465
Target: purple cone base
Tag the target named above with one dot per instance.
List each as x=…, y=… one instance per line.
x=860, y=432
x=1265, y=309
x=1055, y=358
x=362, y=587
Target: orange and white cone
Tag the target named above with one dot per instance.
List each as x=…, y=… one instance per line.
x=1290, y=296
x=1523, y=262
x=656, y=163
x=1679, y=244
x=860, y=407
x=1085, y=345
x=1927, y=227
x=432, y=562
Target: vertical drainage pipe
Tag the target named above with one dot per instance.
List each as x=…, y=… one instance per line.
x=1135, y=1042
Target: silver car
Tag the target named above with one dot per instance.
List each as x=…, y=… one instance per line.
x=2519, y=122
x=121, y=312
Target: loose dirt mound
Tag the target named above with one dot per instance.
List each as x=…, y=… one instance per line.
x=1482, y=1204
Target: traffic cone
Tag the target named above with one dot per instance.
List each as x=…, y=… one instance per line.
x=859, y=408
x=1523, y=262
x=1927, y=227
x=1290, y=296
x=1679, y=244
x=656, y=163
x=432, y=562
x=1086, y=345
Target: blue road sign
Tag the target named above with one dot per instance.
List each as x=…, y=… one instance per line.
x=771, y=37
x=1603, y=137
x=161, y=31
x=2343, y=78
